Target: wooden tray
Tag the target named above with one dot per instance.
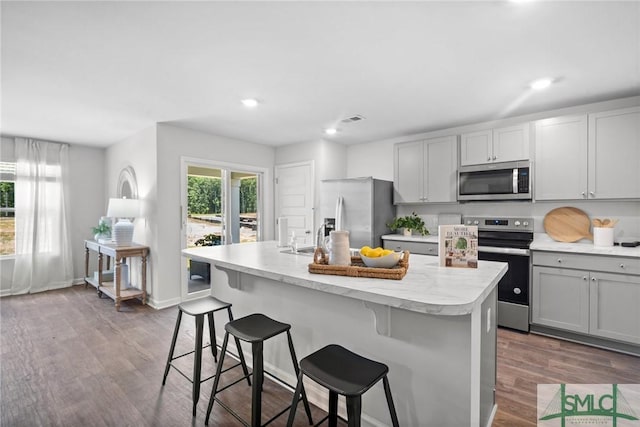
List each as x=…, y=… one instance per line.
x=567, y=224
x=320, y=265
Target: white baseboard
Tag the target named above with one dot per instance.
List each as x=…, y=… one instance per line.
x=159, y=305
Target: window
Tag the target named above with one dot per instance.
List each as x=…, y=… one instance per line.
x=7, y=208
x=209, y=220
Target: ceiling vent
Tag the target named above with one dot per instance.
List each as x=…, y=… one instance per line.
x=352, y=119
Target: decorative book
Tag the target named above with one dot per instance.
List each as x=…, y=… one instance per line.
x=458, y=246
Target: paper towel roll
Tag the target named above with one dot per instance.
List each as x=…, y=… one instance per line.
x=283, y=231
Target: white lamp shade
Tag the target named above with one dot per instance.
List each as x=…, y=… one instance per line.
x=123, y=209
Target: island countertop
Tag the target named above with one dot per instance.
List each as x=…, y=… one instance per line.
x=426, y=288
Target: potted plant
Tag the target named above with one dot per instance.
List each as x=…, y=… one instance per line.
x=102, y=231
x=408, y=224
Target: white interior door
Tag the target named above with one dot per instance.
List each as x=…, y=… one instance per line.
x=295, y=199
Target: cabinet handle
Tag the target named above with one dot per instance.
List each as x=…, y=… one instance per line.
x=621, y=265
x=489, y=158
x=495, y=157
x=584, y=195
x=584, y=277
x=592, y=194
x=559, y=260
x=593, y=279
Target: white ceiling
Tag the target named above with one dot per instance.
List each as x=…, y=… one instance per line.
x=94, y=72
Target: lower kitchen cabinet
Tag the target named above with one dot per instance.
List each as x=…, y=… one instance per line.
x=422, y=248
x=615, y=307
x=588, y=295
x=560, y=298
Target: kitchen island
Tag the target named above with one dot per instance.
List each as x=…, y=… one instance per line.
x=435, y=328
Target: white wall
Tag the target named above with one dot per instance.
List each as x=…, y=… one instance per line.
x=173, y=143
x=87, y=203
x=371, y=159
x=86, y=197
x=139, y=151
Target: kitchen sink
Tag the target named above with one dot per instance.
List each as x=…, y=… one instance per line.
x=307, y=251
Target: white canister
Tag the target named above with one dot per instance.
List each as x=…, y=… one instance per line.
x=603, y=236
x=283, y=231
x=339, y=253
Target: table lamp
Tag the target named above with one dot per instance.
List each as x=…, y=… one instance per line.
x=123, y=210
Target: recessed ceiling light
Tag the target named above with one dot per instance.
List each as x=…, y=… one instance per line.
x=331, y=131
x=250, y=102
x=540, y=84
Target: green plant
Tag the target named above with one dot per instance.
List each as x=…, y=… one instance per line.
x=209, y=240
x=410, y=222
x=102, y=228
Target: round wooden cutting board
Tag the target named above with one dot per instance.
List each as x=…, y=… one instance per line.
x=567, y=224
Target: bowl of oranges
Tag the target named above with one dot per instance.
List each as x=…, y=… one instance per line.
x=378, y=257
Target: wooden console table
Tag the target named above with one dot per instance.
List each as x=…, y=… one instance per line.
x=114, y=289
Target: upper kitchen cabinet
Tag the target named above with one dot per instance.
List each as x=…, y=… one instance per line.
x=561, y=158
x=614, y=150
x=495, y=145
x=425, y=171
x=588, y=157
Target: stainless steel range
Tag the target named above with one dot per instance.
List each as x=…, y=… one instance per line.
x=507, y=239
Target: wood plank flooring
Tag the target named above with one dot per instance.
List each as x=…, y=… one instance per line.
x=67, y=358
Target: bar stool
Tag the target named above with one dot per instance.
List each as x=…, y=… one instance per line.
x=198, y=308
x=346, y=373
x=255, y=329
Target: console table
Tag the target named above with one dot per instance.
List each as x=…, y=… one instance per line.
x=114, y=289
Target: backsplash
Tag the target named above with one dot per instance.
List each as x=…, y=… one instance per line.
x=627, y=212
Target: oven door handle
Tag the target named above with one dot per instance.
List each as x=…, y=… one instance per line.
x=506, y=251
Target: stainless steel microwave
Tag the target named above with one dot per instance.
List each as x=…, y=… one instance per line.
x=495, y=181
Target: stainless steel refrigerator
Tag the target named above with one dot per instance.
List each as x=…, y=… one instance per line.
x=362, y=206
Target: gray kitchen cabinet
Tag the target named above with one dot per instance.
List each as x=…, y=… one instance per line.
x=425, y=171
x=560, y=298
x=504, y=144
x=561, y=158
x=591, y=156
x=615, y=306
x=614, y=150
x=422, y=248
x=591, y=294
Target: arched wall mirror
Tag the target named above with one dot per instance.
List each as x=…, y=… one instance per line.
x=127, y=184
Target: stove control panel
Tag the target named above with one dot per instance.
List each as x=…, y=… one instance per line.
x=500, y=223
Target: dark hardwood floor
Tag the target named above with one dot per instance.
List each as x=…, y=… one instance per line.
x=67, y=358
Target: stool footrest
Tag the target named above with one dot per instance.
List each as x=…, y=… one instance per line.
x=272, y=419
x=191, y=352
x=181, y=373
x=232, y=412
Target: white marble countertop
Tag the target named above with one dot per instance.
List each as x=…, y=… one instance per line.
x=542, y=242
x=426, y=288
x=418, y=239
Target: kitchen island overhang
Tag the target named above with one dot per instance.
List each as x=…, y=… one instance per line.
x=435, y=328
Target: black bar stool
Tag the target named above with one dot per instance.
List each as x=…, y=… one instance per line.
x=346, y=373
x=198, y=308
x=255, y=329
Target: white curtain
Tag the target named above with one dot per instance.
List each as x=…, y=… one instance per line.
x=43, y=251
